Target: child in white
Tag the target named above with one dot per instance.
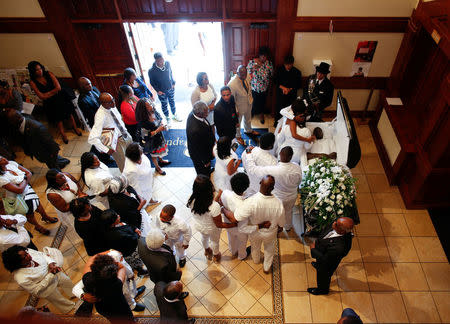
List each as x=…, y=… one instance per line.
x=231, y=200
x=178, y=232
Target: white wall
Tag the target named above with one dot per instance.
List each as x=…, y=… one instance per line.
x=19, y=49
x=355, y=8
x=20, y=8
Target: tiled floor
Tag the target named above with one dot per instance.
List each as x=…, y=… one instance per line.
x=396, y=271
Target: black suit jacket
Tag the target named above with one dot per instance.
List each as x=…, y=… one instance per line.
x=175, y=312
x=329, y=252
x=323, y=91
x=37, y=141
x=161, y=266
x=123, y=239
x=200, y=140
x=126, y=206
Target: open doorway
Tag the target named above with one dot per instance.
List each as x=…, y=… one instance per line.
x=189, y=47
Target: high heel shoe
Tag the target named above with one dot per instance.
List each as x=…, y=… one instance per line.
x=161, y=172
x=42, y=230
x=77, y=132
x=65, y=140
x=49, y=220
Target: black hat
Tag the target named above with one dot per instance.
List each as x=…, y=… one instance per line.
x=323, y=68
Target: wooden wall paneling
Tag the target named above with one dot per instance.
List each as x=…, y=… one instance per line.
x=110, y=83
x=58, y=18
x=351, y=24
x=92, y=9
x=25, y=25
x=251, y=8
x=236, y=46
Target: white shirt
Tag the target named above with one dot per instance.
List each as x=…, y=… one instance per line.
x=204, y=223
x=178, y=230
x=140, y=176
x=98, y=180
x=66, y=195
x=221, y=176
x=287, y=176
x=260, y=208
x=332, y=234
x=324, y=146
x=230, y=201
x=261, y=158
x=299, y=147
x=10, y=177
x=10, y=238
x=103, y=119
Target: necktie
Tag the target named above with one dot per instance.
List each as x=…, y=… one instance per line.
x=245, y=85
x=119, y=126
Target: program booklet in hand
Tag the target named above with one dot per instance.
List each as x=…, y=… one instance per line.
x=109, y=138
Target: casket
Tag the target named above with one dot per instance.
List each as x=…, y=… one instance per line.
x=341, y=133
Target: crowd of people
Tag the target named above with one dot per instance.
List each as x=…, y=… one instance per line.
x=251, y=197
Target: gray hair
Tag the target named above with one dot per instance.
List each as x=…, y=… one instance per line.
x=199, y=108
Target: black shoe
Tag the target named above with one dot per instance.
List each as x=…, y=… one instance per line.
x=182, y=263
x=183, y=295
x=139, y=291
x=139, y=307
x=316, y=291
x=314, y=264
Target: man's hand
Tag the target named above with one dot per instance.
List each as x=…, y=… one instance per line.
x=313, y=245
x=160, y=93
x=8, y=222
x=111, y=151
x=265, y=224
x=208, y=164
x=138, y=232
x=82, y=194
x=249, y=149
x=89, y=298
x=185, y=246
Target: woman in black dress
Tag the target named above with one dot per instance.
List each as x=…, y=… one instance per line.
x=57, y=105
x=103, y=279
x=150, y=121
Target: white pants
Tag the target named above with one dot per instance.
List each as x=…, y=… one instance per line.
x=177, y=247
x=63, y=304
x=212, y=237
x=288, y=205
x=119, y=154
x=268, y=240
x=247, y=115
x=129, y=292
x=237, y=242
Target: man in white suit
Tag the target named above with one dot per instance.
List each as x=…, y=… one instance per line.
x=240, y=89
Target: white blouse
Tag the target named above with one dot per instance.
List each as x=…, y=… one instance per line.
x=221, y=176
x=14, y=177
x=204, y=223
x=140, y=177
x=66, y=195
x=98, y=181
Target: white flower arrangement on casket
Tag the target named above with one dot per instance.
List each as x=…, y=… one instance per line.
x=327, y=193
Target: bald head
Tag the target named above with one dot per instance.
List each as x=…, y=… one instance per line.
x=242, y=72
x=286, y=154
x=343, y=225
x=173, y=290
x=84, y=84
x=266, y=185
x=106, y=100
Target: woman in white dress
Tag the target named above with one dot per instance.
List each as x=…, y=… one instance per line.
x=39, y=275
x=294, y=133
x=97, y=177
x=205, y=92
x=139, y=173
x=62, y=188
x=15, y=180
x=207, y=216
x=227, y=163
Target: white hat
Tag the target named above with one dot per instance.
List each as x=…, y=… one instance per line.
x=155, y=238
x=118, y=184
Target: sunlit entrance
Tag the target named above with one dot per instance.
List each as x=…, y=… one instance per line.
x=189, y=47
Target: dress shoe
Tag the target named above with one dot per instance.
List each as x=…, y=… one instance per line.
x=139, y=291
x=316, y=291
x=183, y=295
x=249, y=251
x=182, y=263
x=139, y=307
x=217, y=257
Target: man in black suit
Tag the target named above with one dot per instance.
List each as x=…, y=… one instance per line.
x=200, y=138
x=158, y=257
x=36, y=140
x=170, y=298
x=318, y=91
x=328, y=250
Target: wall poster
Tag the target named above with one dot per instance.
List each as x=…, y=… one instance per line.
x=363, y=58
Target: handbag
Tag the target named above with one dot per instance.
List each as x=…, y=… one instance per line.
x=54, y=254
x=15, y=205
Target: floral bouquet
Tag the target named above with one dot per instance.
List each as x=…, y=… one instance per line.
x=327, y=193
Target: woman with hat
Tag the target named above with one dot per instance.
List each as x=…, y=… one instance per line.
x=318, y=91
